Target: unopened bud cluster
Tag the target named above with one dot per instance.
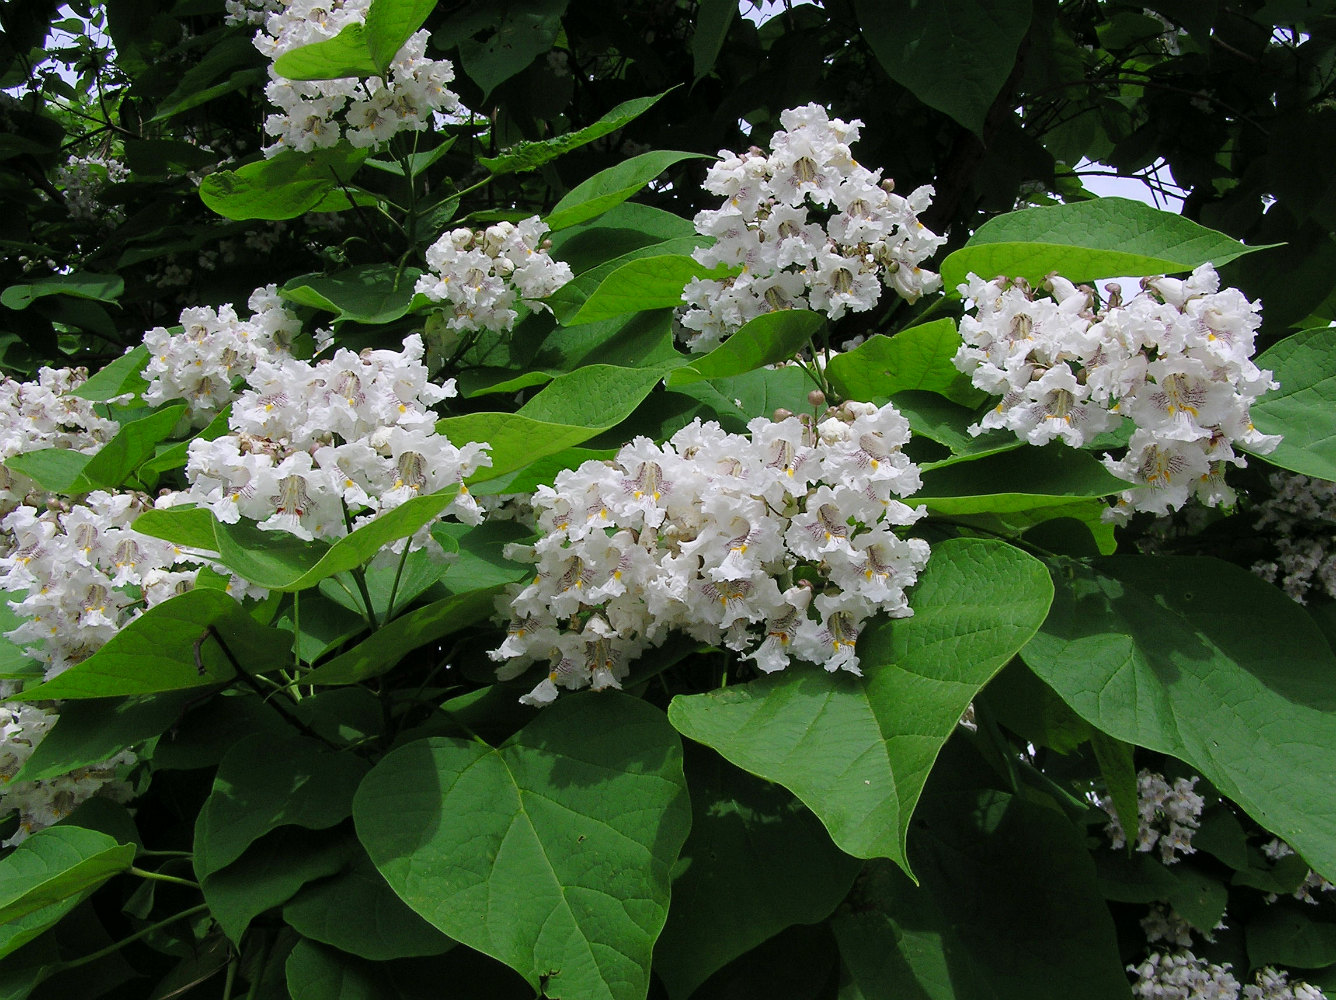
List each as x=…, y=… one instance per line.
x=778, y=545
x=1175, y=359
x=481, y=275
x=790, y=258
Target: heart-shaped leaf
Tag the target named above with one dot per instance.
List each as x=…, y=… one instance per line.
x=551, y=852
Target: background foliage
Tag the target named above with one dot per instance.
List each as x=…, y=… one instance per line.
x=812, y=836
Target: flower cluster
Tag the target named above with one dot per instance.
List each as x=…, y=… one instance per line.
x=316, y=114
x=1167, y=816
x=1275, y=849
x=75, y=565
x=481, y=274
x=312, y=445
x=777, y=545
x=39, y=804
x=214, y=349
x=45, y=414
x=1175, y=359
x=789, y=259
x=83, y=181
x=1300, y=516
x=1181, y=975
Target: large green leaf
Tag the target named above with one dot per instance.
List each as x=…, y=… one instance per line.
x=1302, y=408
x=87, y=732
x=1019, y=480
x=612, y=187
x=315, y=972
x=391, y=23
x=1008, y=909
x=523, y=31
x=1088, y=240
x=117, y=378
x=79, y=285
x=1200, y=659
x=61, y=470
x=279, y=561
x=856, y=750
x=531, y=155
x=383, y=649
x=756, y=862
x=1288, y=935
x=373, y=294
x=346, y=54
x=769, y=338
x=58, y=864
x=188, y=527
x=270, y=873
x=265, y=782
x=569, y=299
x=713, y=19
x=384, y=928
x=643, y=283
x=917, y=359
x=551, y=852
x=953, y=55
x=283, y=187
x=568, y=411
x=169, y=648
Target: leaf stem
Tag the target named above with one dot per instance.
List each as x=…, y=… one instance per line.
x=159, y=877
x=74, y=963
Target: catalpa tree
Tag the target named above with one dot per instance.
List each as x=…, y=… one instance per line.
x=533, y=499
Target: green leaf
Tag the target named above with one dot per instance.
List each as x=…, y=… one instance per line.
x=1089, y=240
x=88, y=732
x=188, y=527
x=551, y=852
x=763, y=341
x=713, y=19
x=117, y=378
x=1008, y=909
x=569, y=299
x=126, y=451
x=1287, y=934
x=524, y=156
x=857, y=751
x=620, y=230
x=524, y=32
x=283, y=187
x=176, y=456
x=917, y=359
x=1020, y=480
x=54, y=469
x=226, y=67
x=391, y=23
x=1301, y=409
x=953, y=55
x=481, y=562
x=346, y=54
x=756, y=862
x=79, y=285
x=169, y=648
x=373, y=294
x=568, y=411
x=57, y=865
x=315, y=972
x=947, y=423
x=1200, y=659
x=270, y=873
x=612, y=187
x=265, y=782
x=278, y=561
x=384, y=928
x=644, y=283
x=381, y=652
